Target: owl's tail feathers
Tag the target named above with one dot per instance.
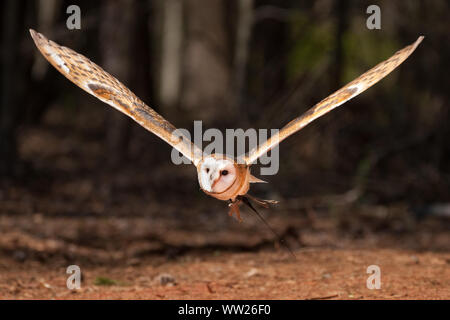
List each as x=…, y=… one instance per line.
x=263, y=202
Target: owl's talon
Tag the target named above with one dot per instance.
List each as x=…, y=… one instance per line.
x=238, y=215
x=234, y=209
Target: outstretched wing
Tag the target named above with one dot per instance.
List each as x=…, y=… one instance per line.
x=341, y=96
x=96, y=81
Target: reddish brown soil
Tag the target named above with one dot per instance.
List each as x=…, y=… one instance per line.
x=152, y=234
x=142, y=258
x=315, y=274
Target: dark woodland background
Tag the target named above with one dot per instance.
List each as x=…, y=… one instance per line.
x=232, y=64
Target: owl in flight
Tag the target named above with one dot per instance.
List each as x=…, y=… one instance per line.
x=218, y=175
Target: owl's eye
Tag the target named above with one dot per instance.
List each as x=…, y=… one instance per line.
x=207, y=170
x=224, y=172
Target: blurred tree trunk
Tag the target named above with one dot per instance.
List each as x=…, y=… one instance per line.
x=42, y=80
x=243, y=34
x=206, y=65
x=47, y=12
x=330, y=137
x=9, y=91
x=341, y=8
x=115, y=37
x=170, y=72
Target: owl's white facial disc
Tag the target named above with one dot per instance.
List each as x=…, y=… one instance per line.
x=216, y=175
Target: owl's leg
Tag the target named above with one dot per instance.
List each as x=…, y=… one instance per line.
x=234, y=209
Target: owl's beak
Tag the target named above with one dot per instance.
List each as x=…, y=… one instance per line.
x=214, y=183
x=213, y=179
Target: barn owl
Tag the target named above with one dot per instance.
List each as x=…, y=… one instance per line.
x=218, y=175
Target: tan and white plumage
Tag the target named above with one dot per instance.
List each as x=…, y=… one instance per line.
x=96, y=81
x=218, y=175
x=349, y=91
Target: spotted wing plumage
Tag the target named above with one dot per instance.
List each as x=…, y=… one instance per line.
x=96, y=81
x=336, y=99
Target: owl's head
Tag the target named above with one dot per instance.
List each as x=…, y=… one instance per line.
x=216, y=173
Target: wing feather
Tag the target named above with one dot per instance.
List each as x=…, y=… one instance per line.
x=336, y=99
x=96, y=81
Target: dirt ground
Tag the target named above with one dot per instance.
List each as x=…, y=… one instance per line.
x=130, y=258
x=151, y=234
x=315, y=274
